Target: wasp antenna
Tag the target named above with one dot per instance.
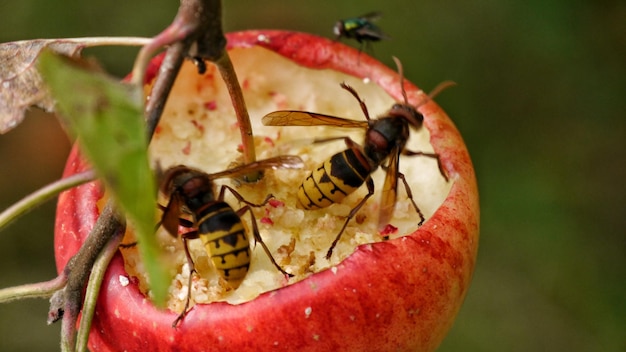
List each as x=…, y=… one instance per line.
x=440, y=88
x=401, y=73
x=357, y=97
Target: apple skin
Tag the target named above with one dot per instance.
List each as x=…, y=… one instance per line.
x=397, y=295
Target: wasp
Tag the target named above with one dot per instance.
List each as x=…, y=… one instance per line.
x=216, y=223
x=346, y=171
x=361, y=28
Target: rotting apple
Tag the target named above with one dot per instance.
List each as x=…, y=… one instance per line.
x=397, y=295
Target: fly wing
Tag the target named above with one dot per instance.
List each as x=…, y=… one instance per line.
x=372, y=32
x=367, y=28
x=390, y=190
x=304, y=118
x=371, y=16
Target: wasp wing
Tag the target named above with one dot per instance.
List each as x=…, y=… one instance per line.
x=304, y=118
x=282, y=162
x=390, y=190
x=171, y=213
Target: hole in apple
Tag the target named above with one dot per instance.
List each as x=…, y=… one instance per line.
x=298, y=239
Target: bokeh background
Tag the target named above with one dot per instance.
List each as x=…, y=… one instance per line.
x=541, y=102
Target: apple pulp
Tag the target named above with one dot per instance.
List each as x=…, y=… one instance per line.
x=397, y=295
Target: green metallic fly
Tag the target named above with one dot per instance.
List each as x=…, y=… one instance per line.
x=361, y=28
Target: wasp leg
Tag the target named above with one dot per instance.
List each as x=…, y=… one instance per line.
x=356, y=95
x=349, y=142
x=241, y=199
x=258, y=239
x=430, y=155
x=409, y=194
x=255, y=228
x=183, y=222
x=191, y=235
x=370, y=192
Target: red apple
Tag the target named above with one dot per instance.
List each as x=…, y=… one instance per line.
x=397, y=295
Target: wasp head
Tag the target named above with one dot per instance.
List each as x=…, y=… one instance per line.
x=408, y=113
x=384, y=135
x=193, y=186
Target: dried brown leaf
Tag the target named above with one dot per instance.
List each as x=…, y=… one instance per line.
x=21, y=85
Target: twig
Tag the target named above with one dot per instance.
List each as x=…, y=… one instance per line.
x=212, y=46
x=229, y=76
x=90, y=42
x=108, y=41
x=41, y=195
x=165, y=81
x=108, y=224
x=93, y=289
x=39, y=290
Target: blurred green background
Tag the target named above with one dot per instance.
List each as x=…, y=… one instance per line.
x=541, y=104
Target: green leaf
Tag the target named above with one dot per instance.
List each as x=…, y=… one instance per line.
x=107, y=117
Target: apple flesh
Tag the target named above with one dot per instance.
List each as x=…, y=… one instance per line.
x=396, y=295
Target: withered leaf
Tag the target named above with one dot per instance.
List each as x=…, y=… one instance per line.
x=21, y=85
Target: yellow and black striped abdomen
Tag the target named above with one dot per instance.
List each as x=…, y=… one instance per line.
x=332, y=181
x=226, y=241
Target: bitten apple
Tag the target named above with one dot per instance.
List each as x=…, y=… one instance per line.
x=397, y=295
